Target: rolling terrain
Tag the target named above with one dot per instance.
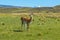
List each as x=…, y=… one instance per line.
x=44, y=27
x=19, y=9
x=46, y=24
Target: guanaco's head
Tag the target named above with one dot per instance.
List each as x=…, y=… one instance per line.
x=31, y=16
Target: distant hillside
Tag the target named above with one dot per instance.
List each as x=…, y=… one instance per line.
x=9, y=6
x=18, y=9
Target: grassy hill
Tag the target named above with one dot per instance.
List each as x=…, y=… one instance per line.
x=42, y=28
x=17, y=9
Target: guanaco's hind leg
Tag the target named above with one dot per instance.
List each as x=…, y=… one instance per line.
x=27, y=26
x=22, y=25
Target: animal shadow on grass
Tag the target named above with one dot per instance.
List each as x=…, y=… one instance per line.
x=17, y=31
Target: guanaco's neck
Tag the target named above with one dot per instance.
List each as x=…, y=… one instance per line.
x=31, y=17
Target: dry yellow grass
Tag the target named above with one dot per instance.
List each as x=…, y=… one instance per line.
x=26, y=14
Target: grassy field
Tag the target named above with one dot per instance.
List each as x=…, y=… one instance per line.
x=44, y=27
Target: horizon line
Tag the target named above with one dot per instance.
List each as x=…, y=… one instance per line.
x=28, y=6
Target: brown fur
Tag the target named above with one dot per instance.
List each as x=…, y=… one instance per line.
x=26, y=20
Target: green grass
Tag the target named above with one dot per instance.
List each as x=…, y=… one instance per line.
x=48, y=29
